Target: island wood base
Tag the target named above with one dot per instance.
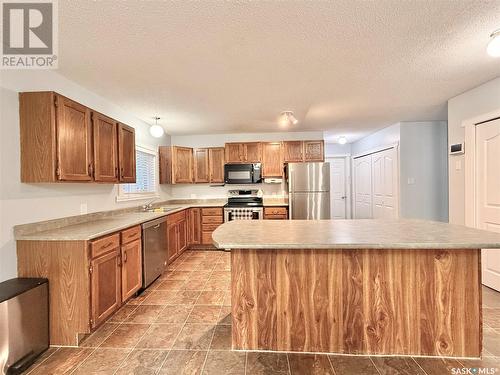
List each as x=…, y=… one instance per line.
x=394, y=302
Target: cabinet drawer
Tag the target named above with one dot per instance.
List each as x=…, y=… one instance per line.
x=206, y=238
x=275, y=210
x=178, y=216
x=104, y=245
x=275, y=217
x=131, y=234
x=211, y=211
x=209, y=227
x=211, y=219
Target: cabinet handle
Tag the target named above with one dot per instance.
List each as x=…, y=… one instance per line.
x=121, y=172
x=116, y=172
x=90, y=169
x=125, y=256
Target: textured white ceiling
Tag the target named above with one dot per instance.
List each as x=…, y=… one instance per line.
x=343, y=66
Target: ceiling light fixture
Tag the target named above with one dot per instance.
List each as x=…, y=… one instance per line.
x=342, y=140
x=288, y=118
x=156, y=130
x=494, y=44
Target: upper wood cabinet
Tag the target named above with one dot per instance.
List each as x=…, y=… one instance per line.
x=293, y=151
x=248, y=152
x=126, y=152
x=62, y=140
x=74, y=140
x=105, y=148
x=216, y=164
x=176, y=165
x=183, y=165
x=272, y=159
x=303, y=151
x=201, y=165
x=314, y=151
x=182, y=161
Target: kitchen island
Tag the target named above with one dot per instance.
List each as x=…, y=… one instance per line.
x=395, y=287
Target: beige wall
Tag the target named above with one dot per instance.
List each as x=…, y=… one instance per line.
x=476, y=102
x=25, y=203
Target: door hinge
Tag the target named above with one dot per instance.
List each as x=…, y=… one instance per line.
x=91, y=269
x=91, y=322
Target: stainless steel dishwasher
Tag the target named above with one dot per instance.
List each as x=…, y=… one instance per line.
x=154, y=250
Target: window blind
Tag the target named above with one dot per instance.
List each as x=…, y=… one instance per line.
x=145, y=174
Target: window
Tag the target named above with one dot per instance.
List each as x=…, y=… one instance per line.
x=146, y=177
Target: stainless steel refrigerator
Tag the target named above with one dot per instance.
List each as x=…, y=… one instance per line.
x=309, y=190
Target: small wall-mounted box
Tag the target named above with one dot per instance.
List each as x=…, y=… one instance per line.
x=457, y=148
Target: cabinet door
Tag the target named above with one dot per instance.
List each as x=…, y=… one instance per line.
x=293, y=151
x=126, y=153
x=235, y=153
x=105, y=148
x=313, y=151
x=201, y=165
x=272, y=159
x=106, y=285
x=252, y=152
x=131, y=269
x=173, y=241
x=74, y=141
x=183, y=165
x=216, y=164
x=182, y=236
x=165, y=159
x=194, y=226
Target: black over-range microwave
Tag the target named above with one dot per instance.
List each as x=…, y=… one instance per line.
x=242, y=173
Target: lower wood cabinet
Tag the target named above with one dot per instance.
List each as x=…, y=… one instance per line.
x=105, y=293
x=115, y=272
x=211, y=218
x=275, y=213
x=131, y=268
x=177, y=235
x=194, y=226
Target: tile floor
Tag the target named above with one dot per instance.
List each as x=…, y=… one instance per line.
x=181, y=325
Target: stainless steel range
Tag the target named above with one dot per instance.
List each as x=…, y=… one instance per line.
x=244, y=205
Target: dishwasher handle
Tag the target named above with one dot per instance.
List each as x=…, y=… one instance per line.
x=155, y=224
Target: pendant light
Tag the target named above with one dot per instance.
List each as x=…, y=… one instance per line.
x=156, y=130
x=494, y=44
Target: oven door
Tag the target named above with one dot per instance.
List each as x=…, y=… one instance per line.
x=238, y=173
x=231, y=213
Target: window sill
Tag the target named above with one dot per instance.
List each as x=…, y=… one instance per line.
x=137, y=197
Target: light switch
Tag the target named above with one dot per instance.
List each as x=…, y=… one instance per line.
x=458, y=165
x=83, y=208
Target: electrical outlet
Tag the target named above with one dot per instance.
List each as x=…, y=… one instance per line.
x=411, y=180
x=83, y=208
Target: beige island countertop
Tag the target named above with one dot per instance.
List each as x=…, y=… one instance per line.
x=351, y=234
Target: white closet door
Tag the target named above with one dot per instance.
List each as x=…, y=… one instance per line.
x=338, y=195
x=385, y=184
x=363, y=187
x=488, y=195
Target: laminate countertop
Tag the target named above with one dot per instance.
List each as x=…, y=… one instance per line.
x=97, y=228
x=350, y=234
